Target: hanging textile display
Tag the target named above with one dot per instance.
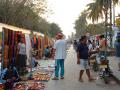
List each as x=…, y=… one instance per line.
x=6, y=56
x=45, y=38
x=32, y=42
x=0, y=39
x=2, y=49
x=43, y=44
x=5, y=36
x=10, y=50
x=10, y=43
x=28, y=48
x=5, y=48
x=35, y=42
x=23, y=38
x=39, y=41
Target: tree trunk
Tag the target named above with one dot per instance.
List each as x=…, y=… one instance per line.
x=111, y=23
x=106, y=22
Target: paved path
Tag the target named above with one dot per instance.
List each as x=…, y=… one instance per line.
x=114, y=66
x=71, y=78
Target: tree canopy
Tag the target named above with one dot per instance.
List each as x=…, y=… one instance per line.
x=26, y=14
x=98, y=9
x=80, y=24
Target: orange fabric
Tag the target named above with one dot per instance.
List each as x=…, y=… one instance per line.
x=5, y=36
x=6, y=55
x=34, y=38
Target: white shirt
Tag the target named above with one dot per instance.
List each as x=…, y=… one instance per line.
x=22, y=49
x=60, y=46
x=90, y=46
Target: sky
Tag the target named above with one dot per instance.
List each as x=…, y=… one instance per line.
x=65, y=12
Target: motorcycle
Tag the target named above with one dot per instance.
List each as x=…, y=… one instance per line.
x=104, y=69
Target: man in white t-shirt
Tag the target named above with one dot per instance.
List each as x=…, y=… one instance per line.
x=60, y=47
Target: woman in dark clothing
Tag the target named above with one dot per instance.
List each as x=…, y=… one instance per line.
x=21, y=57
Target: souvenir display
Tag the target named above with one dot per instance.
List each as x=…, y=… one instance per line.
x=20, y=86
x=41, y=76
x=10, y=52
x=29, y=85
x=32, y=85
x=48, y=65
x=10, y=42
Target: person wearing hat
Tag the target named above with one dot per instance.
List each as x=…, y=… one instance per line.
x=47, y=52
x=60, y=48
x=10, y=75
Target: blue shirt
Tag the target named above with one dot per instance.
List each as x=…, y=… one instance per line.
x=47, y=51
x=83, y=50
x=33, y=62
x=118, y=49
x=5, y=74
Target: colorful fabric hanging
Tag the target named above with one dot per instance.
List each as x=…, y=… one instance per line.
x=34, y=38
x=28, y=48
x=13, y=38
x=5, y=55
x=5, y=36
x=32, y=42
x=39, y=43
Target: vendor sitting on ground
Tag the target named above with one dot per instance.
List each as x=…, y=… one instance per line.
x=47, y=52
x=10, y=75
x=34, y=62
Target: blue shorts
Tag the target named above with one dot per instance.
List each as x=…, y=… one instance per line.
x=84, y=64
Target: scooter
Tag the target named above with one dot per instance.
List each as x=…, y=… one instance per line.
x=104, y=69
x=94, y=64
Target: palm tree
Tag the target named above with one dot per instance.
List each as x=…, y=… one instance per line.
x=100, y=8
x=80, y=24
x=94, y=11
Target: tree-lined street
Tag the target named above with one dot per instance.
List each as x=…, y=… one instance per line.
x=71, y=78
x=36, y=34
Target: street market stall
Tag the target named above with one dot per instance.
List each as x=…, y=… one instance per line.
x=36, y=77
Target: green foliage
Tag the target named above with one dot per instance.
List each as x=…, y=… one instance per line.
x=25, y=14
x=95, y=11
x=95, y=29
x=80, y=24
x=20, y=13
x=54, y=29
x=82, y=27
x=99, y=8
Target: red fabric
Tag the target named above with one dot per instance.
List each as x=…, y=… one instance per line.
x=97, y=37
x=23, y=38
x=105, y=41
